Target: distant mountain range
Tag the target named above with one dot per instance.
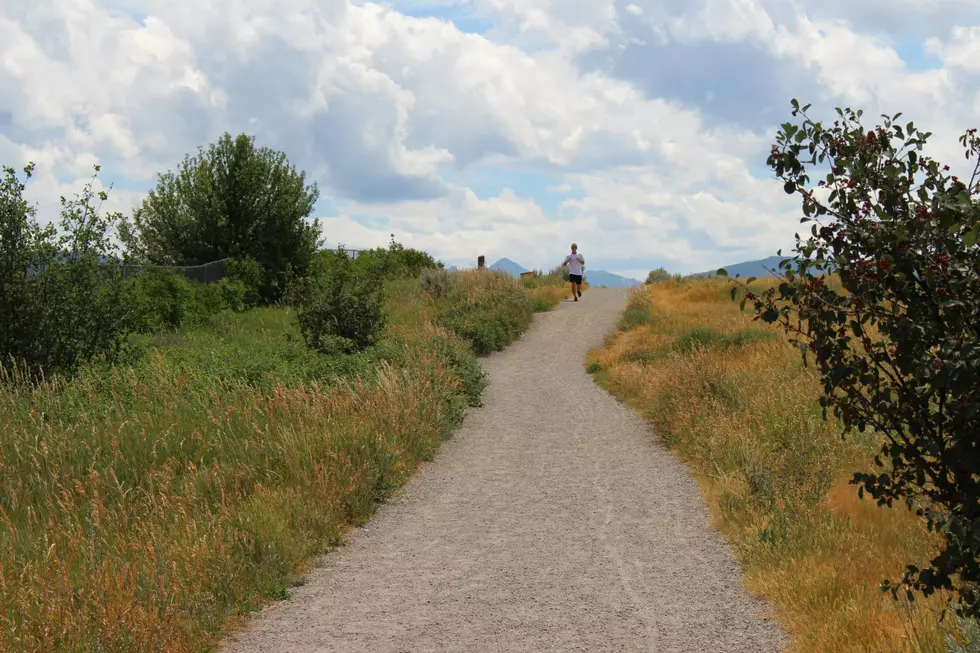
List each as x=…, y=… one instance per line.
x=600, y=278
x=597, y=278
x=761, y=268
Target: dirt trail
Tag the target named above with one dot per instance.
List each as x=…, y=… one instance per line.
x=553, y=521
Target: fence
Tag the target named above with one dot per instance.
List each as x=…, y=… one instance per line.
x=212, y=272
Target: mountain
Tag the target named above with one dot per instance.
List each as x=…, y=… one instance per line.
x=599, y=278
x=760, y=268
x=508, y=266
x=592, y=277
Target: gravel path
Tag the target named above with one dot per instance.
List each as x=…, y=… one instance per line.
x=553, y=521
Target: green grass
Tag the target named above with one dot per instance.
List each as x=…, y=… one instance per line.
x=705, y=338
x=142, y=506
x=486, y=308
x=638, y=313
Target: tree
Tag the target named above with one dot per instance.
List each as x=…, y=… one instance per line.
x=896, y=344
x=660, y=274
x=62, y=299
x=231, y=200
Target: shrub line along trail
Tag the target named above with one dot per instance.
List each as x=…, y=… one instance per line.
x=553, y=521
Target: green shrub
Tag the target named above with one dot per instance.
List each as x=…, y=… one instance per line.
x=456, y=355
x=246, y=274
x=62, y=298
x=165, y=300
x=660, y=274
x=436, y=282
x=540, y=304
x=341, y=310
x=488, y=308
x=638, y=312
x=896, y=347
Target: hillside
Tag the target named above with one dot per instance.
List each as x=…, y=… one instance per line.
x=761, y=268
x=599, y=278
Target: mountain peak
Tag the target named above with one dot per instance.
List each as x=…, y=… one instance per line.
x=509, y=266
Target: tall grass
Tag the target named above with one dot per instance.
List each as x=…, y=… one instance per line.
x=489, y=308
x=731, y=397
x=546, y=291
x=145, y=507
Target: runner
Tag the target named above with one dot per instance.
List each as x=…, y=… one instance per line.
x=576, y=265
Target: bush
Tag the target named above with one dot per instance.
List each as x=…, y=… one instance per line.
x=638, y=312
x=487, y=308
x=62, y=299
x=231, y=200
x=247, y=275
x=341, y=311
x=391, y=263
x=161, y=299
x=658, y=275
x=437, y=282
x=897, y=346
x=398, y=261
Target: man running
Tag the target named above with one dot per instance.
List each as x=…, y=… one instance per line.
x=576, y=264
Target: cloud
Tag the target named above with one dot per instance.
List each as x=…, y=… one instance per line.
x=654, y=116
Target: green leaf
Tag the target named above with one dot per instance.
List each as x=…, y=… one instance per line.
x=734, y=290
x=970, y=237
x=722, y=272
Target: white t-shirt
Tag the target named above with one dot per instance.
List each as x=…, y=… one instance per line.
x=575, y=263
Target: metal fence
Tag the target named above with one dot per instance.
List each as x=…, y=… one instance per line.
x=212, y=272
x=352, y=253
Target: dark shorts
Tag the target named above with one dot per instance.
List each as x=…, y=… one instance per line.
x=575, y=278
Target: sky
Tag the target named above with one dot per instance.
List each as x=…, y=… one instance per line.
x=509, y=128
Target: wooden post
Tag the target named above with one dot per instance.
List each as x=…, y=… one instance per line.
x=481, y=262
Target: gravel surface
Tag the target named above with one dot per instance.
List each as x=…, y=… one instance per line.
x=553, y=521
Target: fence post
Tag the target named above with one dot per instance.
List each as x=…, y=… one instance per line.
x=481, y=262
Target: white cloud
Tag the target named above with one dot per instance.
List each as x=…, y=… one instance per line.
x=962, y=51
x=377, y=105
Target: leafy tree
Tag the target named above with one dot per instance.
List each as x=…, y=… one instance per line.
x=62, y=299
x=896, y=346
x=231, y=200
x=660, y=274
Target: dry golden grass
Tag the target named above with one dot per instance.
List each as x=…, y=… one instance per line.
x=731, y=397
